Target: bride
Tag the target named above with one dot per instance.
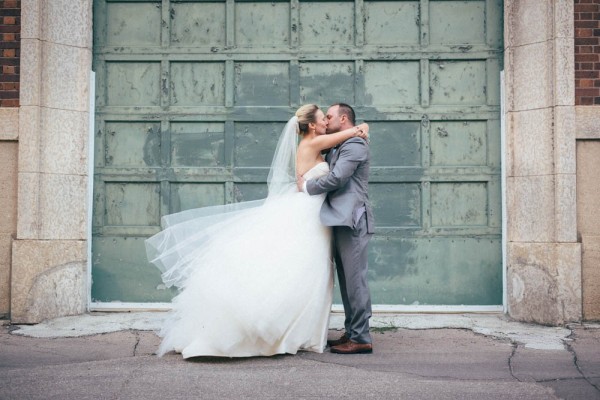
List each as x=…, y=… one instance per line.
x=255, y=278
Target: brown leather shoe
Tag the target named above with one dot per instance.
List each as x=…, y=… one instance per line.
x=351, y=347
x=336, y=342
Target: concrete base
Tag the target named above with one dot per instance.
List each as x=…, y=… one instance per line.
x=8, y=205
x=493, y=325
x=544, y=282
x=49, y=279
x=591, y=277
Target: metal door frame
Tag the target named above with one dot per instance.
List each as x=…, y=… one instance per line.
x=380, y=308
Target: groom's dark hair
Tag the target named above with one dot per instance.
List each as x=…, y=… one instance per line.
x=346, y=110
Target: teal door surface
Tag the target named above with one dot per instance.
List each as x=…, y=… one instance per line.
x=192, y=95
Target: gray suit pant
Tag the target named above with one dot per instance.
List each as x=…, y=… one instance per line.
x=352, y=266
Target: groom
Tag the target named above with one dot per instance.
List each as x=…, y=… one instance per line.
x=347, y=210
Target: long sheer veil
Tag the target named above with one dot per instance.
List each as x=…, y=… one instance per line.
x=188, y=234
x=282, y=175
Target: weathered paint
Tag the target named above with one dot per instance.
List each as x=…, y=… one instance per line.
x=435, y=271
x=119, y=263
x=192, y=95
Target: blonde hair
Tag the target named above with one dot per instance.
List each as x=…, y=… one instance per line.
x=306, y=114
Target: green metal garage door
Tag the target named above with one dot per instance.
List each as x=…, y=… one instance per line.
x=191, y=97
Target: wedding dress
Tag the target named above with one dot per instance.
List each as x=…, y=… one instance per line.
x=256, y=278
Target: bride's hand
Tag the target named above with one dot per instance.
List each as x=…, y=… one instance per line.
x=362, y=131
x=300, y=182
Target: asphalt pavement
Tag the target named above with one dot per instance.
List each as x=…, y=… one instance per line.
x=111, y=356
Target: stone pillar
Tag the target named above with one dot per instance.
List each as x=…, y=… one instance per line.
x=9, y=133
x=544, y=258
x=588, y=205
x=49, y=268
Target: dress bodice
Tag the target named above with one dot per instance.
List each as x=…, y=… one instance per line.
x=317, y=171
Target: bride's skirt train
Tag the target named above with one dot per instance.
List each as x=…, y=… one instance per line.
x=255, y=281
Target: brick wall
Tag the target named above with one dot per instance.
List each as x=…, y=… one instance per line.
x=10, y=37
x=587, y=52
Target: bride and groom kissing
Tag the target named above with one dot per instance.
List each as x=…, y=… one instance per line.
x=256, y=278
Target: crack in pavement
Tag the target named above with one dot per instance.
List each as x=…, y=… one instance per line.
x=410, y=374
x=576, y=363
x=562, y=379
x=510, y=366
x=137, y=342
x=131, y=377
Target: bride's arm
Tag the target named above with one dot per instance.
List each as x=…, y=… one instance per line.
x=323, y=142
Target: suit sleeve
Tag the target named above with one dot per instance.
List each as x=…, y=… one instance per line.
x=352, y=153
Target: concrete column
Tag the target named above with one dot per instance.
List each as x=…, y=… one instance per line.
x=588, y=201
x=9, y=134
x=544, y=258
x=49, y=277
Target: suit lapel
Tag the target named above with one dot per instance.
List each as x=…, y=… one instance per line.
x=333, y=157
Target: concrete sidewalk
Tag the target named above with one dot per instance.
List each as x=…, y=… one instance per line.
x=111, y=356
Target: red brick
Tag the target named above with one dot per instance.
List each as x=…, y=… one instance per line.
x=9, y=77
x=586, y=101
x=586, y=66
x=586, y=57
x=9, y=28
x=587, y=41
x=9, y=94
x=586, y=74
x=10, y=20
x=10, y=12
x=8, y=53
x=9, y=61
x=588, y=92
x=9, y=103
x=581, y=8
x=9, y=86
x=584, y=49
x=9, y=37
x=584, y=32
x=587, y=24
x=585, y=83
x=9, y=45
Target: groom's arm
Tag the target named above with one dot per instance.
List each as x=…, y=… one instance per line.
x=352, y=153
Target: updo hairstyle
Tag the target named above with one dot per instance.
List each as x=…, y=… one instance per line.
x=306, y=114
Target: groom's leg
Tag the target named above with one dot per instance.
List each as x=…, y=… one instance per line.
x=352, y=249
x=339, y=267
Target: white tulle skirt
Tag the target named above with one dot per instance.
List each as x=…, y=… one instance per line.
x=256, y=279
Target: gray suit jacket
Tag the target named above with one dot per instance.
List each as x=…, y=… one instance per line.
x=346, y=185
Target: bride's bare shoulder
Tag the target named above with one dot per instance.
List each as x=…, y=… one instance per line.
x=303, y=142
